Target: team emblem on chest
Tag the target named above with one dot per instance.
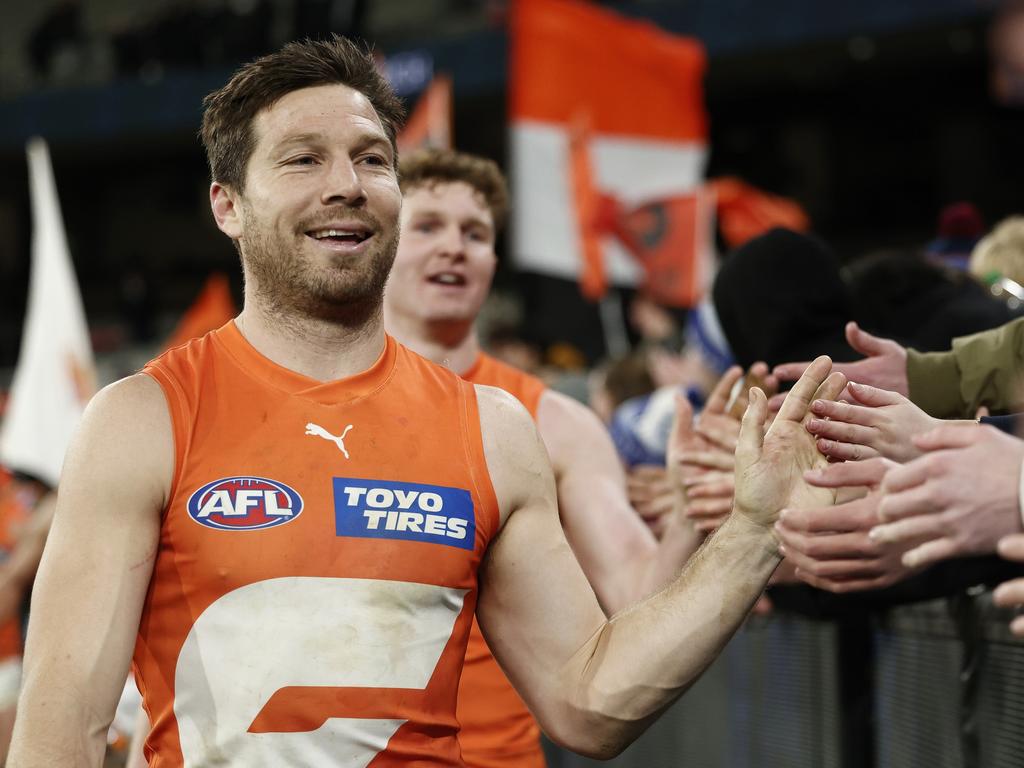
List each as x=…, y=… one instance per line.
x=244, y=503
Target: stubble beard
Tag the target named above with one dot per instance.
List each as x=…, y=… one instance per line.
x=289, y=286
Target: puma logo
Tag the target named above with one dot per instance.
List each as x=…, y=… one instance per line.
x=338, y=440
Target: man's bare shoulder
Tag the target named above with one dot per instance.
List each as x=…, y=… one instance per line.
x=126, y=430
x=516, y=458
x=130, y=405
x=561, y=413
x=574, y=435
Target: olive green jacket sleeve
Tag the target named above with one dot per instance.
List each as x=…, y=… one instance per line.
x=982, y=369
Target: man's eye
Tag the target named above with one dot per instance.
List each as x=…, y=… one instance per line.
x=426, y=226
x=302, y=160
x=375, y=160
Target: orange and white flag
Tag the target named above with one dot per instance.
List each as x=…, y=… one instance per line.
x=641, y=89
x=212, y=308
x=55, y=375
x=430, y=124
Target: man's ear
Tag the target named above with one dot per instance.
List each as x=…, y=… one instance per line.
x=225, y=204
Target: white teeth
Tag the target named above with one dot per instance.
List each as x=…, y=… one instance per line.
x=447, y=279
x=334, y=233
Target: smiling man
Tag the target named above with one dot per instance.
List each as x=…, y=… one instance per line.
x=291, y=598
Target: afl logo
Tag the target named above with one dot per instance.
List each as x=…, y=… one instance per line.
x=244, y=503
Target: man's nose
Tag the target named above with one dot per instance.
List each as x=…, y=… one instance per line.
x=451, y=243
x=343, y=185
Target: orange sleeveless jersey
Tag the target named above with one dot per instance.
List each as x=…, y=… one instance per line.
x=498, y=730
x=316, y=576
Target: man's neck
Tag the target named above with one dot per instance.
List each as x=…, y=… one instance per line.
x=453, y=345
x=320, y=349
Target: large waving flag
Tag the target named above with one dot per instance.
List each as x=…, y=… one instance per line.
x=640, y=90
x=55, y=376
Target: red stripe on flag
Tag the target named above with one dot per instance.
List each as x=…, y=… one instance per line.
x=632, y=78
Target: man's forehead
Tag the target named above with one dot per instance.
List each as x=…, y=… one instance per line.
x=450, y=197
x=317, y=109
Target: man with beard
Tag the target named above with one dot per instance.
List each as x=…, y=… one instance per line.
x=286, y=520
x=453, y=206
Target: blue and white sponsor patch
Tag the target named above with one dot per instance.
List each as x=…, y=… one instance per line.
x=385, y=509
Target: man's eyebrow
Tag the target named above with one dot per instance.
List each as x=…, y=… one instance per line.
x=297, y=138
x=369, y=139
x=441, y=213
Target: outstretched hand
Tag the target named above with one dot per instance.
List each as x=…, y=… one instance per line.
x=1010, y=594
x=877, y=423
x=770, y=465
x=960, y=498
x=830, y=545
x=702, y=452
x=884, y=365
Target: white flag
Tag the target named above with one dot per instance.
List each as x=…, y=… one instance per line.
x=55, y=375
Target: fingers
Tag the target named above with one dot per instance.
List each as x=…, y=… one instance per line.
x=957, y=435
x=709, y=459
x=865, y=343
x=844, y=412
x=930, y=552
x=751, y=439
x=1012, y=547
x=723, y=438
x=858, y=515
x=789, y=371
x=763, y=606
x=846, y=451
x=873, y=396
x=912, y=474
x=799, y=398
x=710, y=476
x=719, y=396
x=769, y=382
x=842, y=432
x=831, y=387
x=846, y=585
x=914, y=502
x=704, y=509
x=1010, y=594
x=923, y=527
x=828, y=547
x=682, y=423
x=869, y=472
x=712, y=490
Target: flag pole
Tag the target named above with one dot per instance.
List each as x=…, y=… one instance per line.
x=613, y=324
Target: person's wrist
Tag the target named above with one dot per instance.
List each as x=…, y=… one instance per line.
x=741, y=524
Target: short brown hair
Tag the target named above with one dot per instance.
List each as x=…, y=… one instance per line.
x=427, y=167
x=228, y=113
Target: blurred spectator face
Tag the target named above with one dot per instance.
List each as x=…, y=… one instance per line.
x=446, y=259
x=1007, y=49
x=317, y=222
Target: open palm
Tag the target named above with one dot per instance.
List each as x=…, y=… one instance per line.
x=770, y=466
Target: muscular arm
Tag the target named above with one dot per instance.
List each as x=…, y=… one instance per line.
x=594, y=683
x=619, y=555
x=93, y=577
